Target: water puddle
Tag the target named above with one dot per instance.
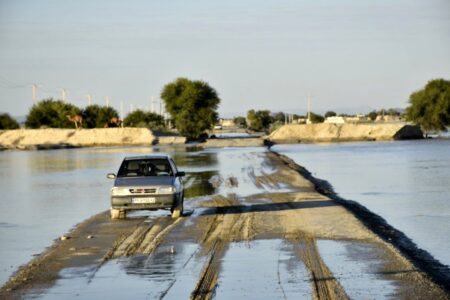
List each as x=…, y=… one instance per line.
x=262, y=269
x=357, y=268
x=171, y=272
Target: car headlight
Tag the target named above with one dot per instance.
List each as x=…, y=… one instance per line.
x=119, y=191
x=166, y=190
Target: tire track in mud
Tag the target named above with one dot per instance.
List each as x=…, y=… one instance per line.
x=279, y=276
x=222, y=229
x=324, y=284
x=145, y=238
x=208, y=278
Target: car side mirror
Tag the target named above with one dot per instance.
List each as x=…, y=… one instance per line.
x=111, y=176
x=181, y=174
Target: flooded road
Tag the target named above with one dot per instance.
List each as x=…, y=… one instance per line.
x=254, y=228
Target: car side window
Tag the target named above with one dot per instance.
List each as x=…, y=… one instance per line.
x=174, y=167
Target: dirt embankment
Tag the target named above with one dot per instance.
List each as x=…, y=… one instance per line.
x=326, y=132
x=233, y=142
x=66, y=138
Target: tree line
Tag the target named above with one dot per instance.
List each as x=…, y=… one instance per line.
x=428, y=107
x=265, y=120
x=52, y=113
x=192, y=105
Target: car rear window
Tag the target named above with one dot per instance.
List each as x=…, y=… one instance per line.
x=145, y=167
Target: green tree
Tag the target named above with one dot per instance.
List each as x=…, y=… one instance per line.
x=393, y=112
x=279, y=117
x=330, y=114
x=7, y=122
x=95, y=116
x=139, y=118
x=192, y=105
x=372, y=115
x=240, y=122
x=316, y=118
x=51, y=113
x=430, y=106
x=259, y=120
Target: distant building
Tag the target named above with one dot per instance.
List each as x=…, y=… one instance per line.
x=335, y=120
x=388, y=118
x=227, y=123
x=356, y=119
x=299, y=121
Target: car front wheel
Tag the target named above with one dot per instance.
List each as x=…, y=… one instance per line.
x=177, y=211
x=118, y=213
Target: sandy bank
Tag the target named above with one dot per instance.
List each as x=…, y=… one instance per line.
x=324, y=132
x=233, y=142
x=62, y=138
x=171, y=140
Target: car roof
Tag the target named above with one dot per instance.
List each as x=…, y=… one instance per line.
x=149, y=156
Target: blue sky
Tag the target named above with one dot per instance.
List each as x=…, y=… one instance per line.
x=349, y=55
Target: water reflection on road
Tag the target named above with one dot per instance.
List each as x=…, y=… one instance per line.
x=263, y=269
x=171, y=272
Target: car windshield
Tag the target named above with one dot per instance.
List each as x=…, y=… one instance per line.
x=145, y=167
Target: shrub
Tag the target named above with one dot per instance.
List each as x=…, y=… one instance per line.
x=7, y=122
x=51, y=113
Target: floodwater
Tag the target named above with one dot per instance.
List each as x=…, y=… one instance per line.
x=405, y=182
x=46, y=193
x=52, y=191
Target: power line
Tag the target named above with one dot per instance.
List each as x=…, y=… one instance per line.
x=6, y=83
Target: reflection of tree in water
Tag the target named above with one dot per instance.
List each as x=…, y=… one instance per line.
x=64, y=161
x=185, y=160
x=186, y=157
x=201, y=185
x=161, y=265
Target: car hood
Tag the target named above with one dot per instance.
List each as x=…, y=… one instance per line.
x=144, y=181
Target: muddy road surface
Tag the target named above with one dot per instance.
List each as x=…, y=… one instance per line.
x=254, y=228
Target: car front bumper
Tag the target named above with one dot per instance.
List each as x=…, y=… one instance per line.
x=132, y=202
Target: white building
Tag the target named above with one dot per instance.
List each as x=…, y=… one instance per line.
x=335, y=120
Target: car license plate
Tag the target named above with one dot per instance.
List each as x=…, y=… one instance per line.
x=144, y=200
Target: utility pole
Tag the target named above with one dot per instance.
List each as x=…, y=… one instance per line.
x=160, y=107
x=34, y=92
x=308, y=121
x=63, y=94
x=121, y=110
x=89, y=97
x=152, y=102
x=107, y=101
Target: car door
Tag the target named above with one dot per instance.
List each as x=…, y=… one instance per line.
x=178, y=180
